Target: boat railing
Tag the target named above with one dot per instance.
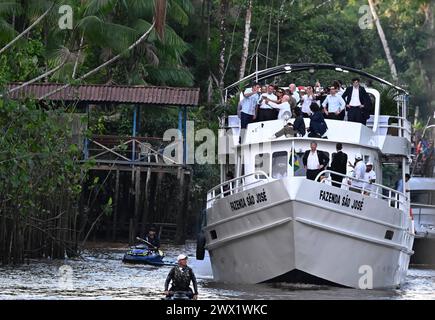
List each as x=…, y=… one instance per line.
x=422, y=205
x=232, y=186
x=396, y=199
x=401, y=127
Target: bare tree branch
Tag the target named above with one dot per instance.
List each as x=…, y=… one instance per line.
x=39, y=77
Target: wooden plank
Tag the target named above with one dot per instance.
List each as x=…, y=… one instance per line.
x=180, y=235
x=137, y=197
x=145, y=209
x=115, y=206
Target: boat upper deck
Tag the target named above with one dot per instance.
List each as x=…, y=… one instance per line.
x=388, y=138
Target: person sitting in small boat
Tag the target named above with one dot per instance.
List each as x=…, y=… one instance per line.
x=318, y=126
x=283, y=107
x=153, y=239
x=181, y=276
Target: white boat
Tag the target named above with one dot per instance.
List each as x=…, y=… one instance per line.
x=271, y=224
x=423, y=209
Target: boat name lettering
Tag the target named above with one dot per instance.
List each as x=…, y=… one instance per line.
x=250, y=200
x=344, y=202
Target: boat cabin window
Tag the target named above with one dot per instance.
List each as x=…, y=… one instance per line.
x=279, y=164
x=421, y=197
x=262, y=163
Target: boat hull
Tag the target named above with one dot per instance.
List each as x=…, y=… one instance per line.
x=305, y=231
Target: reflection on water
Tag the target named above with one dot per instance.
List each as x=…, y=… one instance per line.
x=100, y=274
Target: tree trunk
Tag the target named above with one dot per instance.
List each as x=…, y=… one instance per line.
x=246, y=39
x=384, y=41
x=223, y=15
x=160, y=17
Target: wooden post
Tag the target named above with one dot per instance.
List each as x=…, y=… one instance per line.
x=130, y=232
x=136, y=200
x=115, y=206
x=180, y=234
x=146, y=200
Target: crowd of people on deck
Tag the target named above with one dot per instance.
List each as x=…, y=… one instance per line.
x=270, y=102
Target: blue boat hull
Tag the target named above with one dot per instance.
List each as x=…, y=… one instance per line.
x=144, y=256
x=155, y=260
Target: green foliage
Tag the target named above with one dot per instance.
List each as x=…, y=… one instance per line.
x=35, y=147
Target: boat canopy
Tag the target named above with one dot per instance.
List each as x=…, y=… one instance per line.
x=299, y=67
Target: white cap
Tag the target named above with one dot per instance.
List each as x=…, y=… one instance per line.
x=358, y=156
x=369, y=164
x=181, y=257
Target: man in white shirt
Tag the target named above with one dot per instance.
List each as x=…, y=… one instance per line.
x=370, y=177
x=282, y=107
x=247, y=108
x=307, y=99
x=314, y=161
x=358, y=102
x=294, y=91
x=265, y=111
x=334, y=105
x=358, y=173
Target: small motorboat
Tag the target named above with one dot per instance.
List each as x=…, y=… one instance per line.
x=144, y=255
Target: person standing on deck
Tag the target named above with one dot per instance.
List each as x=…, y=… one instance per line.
x=314, y=161
x=370, y=177
x=283, y=107
x=307, y=100
x=358, y=102
x=294, y=90
x=338, y=164
x=358, y=173
x=334, y=105
x=265, y=112
x=247, y=108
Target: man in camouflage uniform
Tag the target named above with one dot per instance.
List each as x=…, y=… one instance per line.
x=181, y=276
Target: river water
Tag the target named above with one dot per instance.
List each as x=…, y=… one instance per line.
x=100, y=274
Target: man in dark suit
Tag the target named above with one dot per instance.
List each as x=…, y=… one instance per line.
x=314, y=161
x=338, y=164
x=358, y=103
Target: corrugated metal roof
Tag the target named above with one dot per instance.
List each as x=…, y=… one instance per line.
x=110, y=93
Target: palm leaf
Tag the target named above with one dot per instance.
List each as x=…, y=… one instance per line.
x=10, y=7
x=185, y=5
x=95, y=7
x=170, y=75
x=176, y=12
